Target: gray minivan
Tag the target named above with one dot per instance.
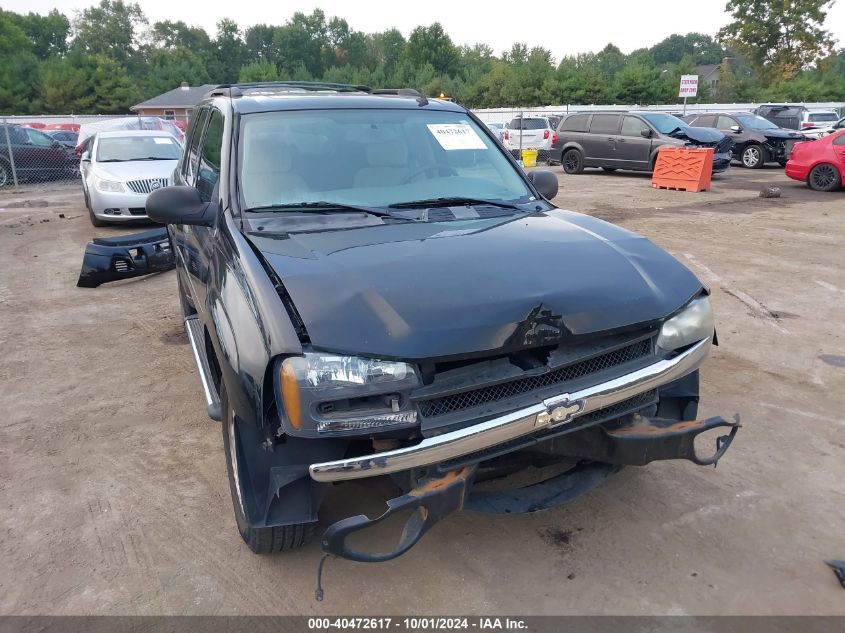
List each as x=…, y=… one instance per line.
x=630, y=140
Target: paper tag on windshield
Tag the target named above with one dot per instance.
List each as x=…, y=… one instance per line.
x=161, y=140
x=456, y=136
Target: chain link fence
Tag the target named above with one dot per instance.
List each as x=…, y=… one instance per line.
x=36, y=151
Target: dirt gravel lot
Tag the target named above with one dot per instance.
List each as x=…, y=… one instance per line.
x=113, y=482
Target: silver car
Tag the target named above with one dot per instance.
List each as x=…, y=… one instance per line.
x=120, y=169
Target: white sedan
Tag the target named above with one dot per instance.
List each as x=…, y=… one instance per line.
x=120, y=169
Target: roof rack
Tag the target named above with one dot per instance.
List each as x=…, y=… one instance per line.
x=237, y=89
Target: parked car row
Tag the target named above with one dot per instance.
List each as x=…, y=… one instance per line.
x=632, y=140
x=29, y=154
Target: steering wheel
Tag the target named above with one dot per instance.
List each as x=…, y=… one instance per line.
x=425, y=170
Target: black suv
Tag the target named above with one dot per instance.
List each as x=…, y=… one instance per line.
x=372, y=286
x=757, y=141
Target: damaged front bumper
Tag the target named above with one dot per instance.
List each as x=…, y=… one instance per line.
x=561, y=411
x=600, y=448
x=124, y=257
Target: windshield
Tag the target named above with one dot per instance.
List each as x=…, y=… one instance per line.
x=127, y=148
x=371, y=158
x=664, y=123
x=755, y=122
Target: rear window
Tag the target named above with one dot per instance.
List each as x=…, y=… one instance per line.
x=575, y=123
x=816, y=117
x=605, y=124
x=528, y=124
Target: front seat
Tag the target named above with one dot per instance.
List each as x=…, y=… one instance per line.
x=268, y=177
x=387, y=164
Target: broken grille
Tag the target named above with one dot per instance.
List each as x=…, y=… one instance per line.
x=147, y=185
x=494, y=393
x=631, y=405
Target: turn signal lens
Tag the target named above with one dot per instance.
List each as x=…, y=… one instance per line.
x=290, y=395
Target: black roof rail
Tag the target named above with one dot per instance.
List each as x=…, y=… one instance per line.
x=236, y=90
x=402, y=92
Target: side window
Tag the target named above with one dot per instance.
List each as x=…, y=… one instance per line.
x=39, y=138
x=839, y=140
x=575, y=123
x=605, y=124
x=209, y=166
x=725, y=123
x=192, y=157
x=632, y=126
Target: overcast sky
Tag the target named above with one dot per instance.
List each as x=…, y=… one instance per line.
x=564, y=28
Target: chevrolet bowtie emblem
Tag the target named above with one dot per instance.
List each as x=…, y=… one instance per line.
x=559, y=413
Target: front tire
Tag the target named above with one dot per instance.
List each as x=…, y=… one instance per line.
x=753, y=156
x=572, y=161
x=94, y=219
x=824, y=177
x=5, y=174
x=267, y=540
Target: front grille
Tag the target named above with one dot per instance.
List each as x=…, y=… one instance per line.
x=138, y=210
x=147, y=185
x=494, y=393
x=631, y=405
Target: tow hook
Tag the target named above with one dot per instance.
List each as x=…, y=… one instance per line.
x=432, y=500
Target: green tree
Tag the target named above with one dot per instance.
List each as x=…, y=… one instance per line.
x=168, y=68
x=779, y=37
x=703, y=49
x=48, y=33
x=431, y=45
x=19, y=89
x=113, y=89
x=259, y=71
x=111, y=29
x=229, y=51
x=387, y=49
x=67, y=85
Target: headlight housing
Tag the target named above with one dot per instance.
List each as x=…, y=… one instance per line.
x=322, y=394
x=692, y=324
x=108, y=186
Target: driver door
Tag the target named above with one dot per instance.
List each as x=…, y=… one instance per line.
x=633, y=147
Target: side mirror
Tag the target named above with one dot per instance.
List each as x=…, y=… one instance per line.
x=736, y=129
x=645, y=133
x=86, y=157
x=545, y=182
x=180, y=205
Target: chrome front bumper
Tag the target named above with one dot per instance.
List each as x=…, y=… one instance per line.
x=554, y=412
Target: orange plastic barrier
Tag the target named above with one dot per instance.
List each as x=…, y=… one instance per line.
x=683, y=169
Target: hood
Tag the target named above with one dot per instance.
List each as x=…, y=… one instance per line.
x=780, y=133
x=441, y=289
x=137, y=169
x=700, y=134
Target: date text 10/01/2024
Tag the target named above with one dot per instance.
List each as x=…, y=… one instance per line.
x=417, y=624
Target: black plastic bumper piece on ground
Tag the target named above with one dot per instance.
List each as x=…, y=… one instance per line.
x=430, y=502
x=113, y=258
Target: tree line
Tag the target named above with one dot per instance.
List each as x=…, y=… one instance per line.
x=109, y=56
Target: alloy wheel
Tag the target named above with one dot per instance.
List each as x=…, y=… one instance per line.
x=751, y=156
x=823, y=177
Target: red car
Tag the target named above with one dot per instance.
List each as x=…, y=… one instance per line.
x=69, y=127
x=821, y=163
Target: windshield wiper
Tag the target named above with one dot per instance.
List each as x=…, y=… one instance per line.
x=324, y=206
x=449, y=202
x=113, y=160
x=154, y=158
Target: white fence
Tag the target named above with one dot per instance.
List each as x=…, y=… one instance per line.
x=503, y=115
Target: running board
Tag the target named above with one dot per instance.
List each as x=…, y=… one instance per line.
x=193, y=327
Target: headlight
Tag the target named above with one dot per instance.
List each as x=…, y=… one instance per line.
x=324, y=393
x=692, y=324
x=108, y=185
